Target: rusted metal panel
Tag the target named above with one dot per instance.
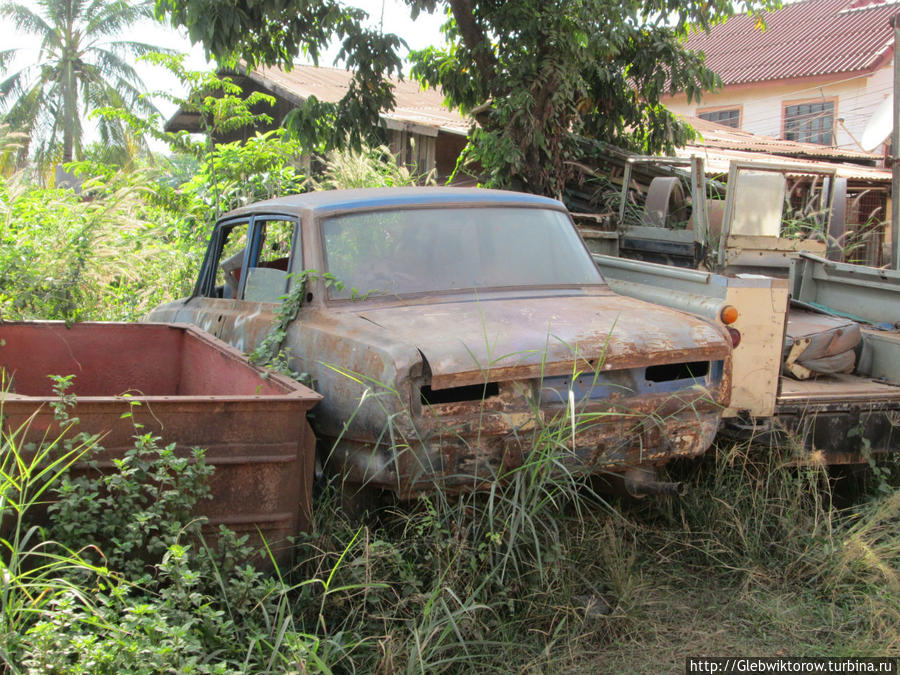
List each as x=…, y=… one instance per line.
x=461, y=444
x=840, y=419
x=762, y=304
x=842, y=436
x=379, y=357
x=519, y=338
x=373, y=358
x=835, y=389
x=186, y=387
x=860, y=292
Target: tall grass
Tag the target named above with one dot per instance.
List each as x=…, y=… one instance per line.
x=35, y=572
x=101, y=255
x=98, y=609
x=530, y=574
x=474, y=573
x=756, y=511
x=365, y=168
x=764, y=526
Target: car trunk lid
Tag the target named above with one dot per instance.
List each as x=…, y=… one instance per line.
x=471, y=342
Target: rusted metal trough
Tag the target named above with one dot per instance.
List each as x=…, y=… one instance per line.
x=185, y=386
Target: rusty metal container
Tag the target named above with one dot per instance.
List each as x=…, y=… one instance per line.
x=185, y=386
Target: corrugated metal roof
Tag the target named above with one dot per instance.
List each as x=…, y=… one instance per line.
x=415, y=105
x=803, y=39
x=727, y=138
x=717, y=161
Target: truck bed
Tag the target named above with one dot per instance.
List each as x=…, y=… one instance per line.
x=834, y=389
x=838, y=418
x=182, y=384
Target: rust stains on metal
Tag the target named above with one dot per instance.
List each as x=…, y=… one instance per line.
x=447, y=383
x=186, y=387
x=373, y=359
x=473, y=341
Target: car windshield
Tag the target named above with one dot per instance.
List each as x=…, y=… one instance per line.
x=445, y=249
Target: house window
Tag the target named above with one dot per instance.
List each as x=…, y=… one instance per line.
x=730, y=117
x=810, y=122
x=413, y=150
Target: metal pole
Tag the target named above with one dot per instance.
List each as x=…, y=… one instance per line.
x=895, y=154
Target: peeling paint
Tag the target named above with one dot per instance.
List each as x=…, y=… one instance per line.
x=374, y=358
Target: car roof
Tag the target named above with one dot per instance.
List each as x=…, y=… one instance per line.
x=329, y=201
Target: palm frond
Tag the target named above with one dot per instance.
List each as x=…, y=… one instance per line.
x=140, y=48
x=109, y=64
x=25, y=111
x=25, y=19
x=6, y=56
x=99, y=92
x=15, y=85
x=98, y=75
x=111, y=18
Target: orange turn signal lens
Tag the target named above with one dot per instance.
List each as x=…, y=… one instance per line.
x=729, y=314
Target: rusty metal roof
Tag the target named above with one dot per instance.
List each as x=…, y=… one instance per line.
x=717, y=161
x=803, y=39
x=415, y=105
x=723, y=137
x=719, y=145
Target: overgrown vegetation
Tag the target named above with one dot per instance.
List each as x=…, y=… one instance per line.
x=535, y=575
x=107, y=254
x=547, y=82
x=131, y=236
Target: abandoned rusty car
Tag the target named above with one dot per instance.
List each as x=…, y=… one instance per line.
x=446, y=328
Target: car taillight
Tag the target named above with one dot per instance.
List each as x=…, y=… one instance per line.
x=735, y=336
x=729, y=314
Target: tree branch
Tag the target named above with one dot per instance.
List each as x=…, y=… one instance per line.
x=474, y=38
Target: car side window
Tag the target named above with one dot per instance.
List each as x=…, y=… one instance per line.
x=271, y=262
x=230, y=260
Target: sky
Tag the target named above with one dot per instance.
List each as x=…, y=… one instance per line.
x=393, y=15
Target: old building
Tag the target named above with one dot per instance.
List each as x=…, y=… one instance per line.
x=813, y=71
x=422, y=132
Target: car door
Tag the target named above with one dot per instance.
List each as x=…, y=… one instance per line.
x=248, y=269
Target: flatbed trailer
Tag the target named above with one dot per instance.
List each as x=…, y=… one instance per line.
x=840, y=417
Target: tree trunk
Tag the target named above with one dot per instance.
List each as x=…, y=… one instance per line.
x=474, y=38
x=70, y=111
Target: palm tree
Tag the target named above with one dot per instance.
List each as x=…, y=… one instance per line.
x=80, y=67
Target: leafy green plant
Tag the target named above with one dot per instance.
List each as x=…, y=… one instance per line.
x=238, y=173
x=158, y=598
x=540, y=78
x=229, y=174
x=535, y=573
x=270, y=351
x=142, y=509
x=65, y=257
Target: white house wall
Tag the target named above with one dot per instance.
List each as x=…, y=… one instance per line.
x=762, y=104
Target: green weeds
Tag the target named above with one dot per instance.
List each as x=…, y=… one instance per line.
x=536, y=573
x=107, y=573
x=36, y=572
